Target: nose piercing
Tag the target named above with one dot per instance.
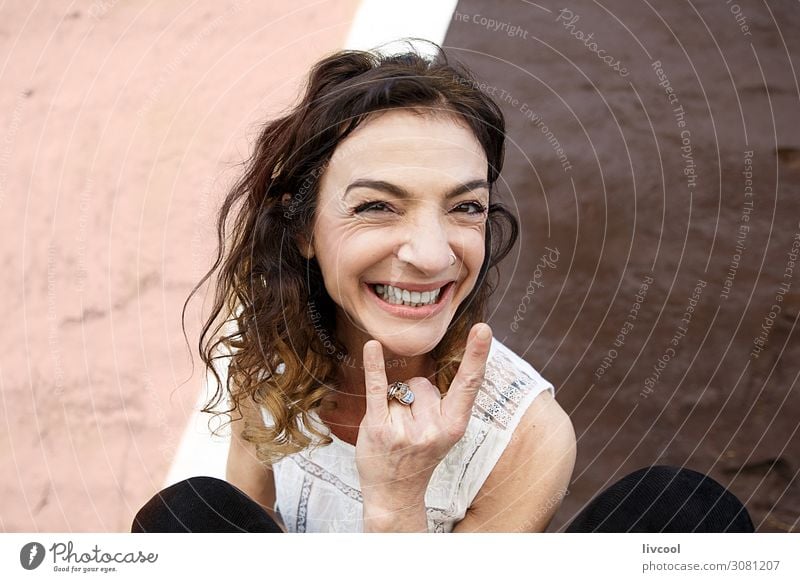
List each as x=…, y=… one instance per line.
x=452, y=259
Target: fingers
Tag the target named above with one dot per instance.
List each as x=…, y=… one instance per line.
x=375, y=382
x=423, y=415
x=458, y=402
x=427, y=401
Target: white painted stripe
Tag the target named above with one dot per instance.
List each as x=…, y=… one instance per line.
x=376, y=22
x=200, y=452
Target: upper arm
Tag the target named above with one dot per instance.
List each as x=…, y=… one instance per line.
x=526, y=486
x=244, y=470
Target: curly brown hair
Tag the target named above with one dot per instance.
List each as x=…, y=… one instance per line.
x=271, y=316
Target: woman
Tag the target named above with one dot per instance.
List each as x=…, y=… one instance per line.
x=372, y=395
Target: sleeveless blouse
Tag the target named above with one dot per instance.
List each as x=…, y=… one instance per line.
x=317, y=489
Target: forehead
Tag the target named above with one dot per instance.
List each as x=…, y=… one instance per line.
x=410, y=145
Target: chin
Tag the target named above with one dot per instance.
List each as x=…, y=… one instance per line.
x=408, y=347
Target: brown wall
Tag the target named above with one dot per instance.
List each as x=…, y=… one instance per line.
x=619, y=208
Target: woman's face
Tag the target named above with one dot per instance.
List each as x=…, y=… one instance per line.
x=425, y=177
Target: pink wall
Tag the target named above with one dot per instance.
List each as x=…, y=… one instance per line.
x=121, y=126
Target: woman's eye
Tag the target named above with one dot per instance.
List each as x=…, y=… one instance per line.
x=477, y=206
x=374, y=205
x=470, y=208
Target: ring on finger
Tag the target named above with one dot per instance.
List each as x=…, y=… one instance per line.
x=401, y=392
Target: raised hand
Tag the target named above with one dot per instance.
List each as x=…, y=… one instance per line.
x=399, y=446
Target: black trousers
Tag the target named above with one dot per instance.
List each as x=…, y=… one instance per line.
x=660, y=498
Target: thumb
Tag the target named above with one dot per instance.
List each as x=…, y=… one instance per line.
x=469, y=378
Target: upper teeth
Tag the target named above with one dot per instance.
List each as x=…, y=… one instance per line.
x=406, y=297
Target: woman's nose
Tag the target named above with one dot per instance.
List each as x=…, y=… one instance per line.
x=426, y=247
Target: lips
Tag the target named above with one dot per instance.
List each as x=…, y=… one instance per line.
x=408, y=311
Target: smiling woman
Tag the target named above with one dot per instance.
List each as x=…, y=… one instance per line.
x=381, y=175
x=364, y=233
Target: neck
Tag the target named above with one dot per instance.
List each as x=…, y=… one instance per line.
x=398, y=369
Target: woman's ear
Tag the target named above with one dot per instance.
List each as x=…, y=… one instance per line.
x=306, y=248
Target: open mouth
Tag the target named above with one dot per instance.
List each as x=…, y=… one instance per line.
x=397, y=296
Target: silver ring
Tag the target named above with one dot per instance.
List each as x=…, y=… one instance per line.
x=453, y=259
x=401, y=392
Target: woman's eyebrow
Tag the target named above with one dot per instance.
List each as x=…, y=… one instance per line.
x=401, y=192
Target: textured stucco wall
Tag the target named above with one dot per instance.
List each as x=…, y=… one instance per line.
x=629, y=199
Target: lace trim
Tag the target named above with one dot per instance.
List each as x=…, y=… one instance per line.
x=438, y=516
x=302, y=506
x=312, y=468
x=502, y=390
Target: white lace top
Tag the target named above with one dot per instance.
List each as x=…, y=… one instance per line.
x=318, y=488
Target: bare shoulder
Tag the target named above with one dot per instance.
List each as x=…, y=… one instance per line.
x=545, y=422
x=526, y=486
x=543, y=442
x=245, y=470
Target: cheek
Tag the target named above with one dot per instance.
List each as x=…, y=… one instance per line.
x=345, y=258
x=475, y=248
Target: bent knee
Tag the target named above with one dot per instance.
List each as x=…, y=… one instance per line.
x=664, y=498
x=176, y=508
